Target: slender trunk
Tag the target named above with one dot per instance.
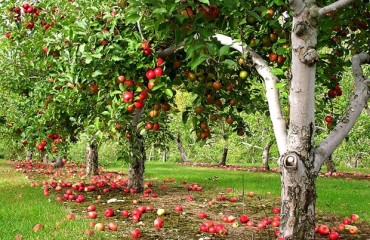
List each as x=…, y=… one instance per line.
x=137, y=165
x=44, y=157
x=151, y=153
x=58, y=163
x=92, y=159
x=330, y=164
x=184, y=157
x=265, y=156
x=164, y=155
x=29, y=155
x=224, y=156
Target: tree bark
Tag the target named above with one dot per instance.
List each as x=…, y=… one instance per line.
x=266, y=155
x=92, y=159
x=164, y=155
x=330, y=166
x=29, y=155
x=58, y=163
x=224, y=156
x=184, y=157
x=137, y=165
x=44, y=157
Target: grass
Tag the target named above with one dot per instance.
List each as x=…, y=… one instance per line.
x=335, y=195
x=22, y=207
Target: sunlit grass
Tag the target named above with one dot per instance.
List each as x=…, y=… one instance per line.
x=22, y=207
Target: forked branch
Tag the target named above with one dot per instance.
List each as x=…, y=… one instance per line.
x=358, y=101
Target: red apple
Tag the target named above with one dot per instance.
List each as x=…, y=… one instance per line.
x=128, y=97
x=92, y=214
x=202, y=215
x=244, y=218
x=112, y=226
x=178, y=208
x=150, y=74
x=353, y=230
x=334, y=236
x=324, y=230
x=109, y=212
x=37, y=227
x=354, y=217
x=158, y=72
x=136, y=233
x=158, y=223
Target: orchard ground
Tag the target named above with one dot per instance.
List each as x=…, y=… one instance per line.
x=231, y=192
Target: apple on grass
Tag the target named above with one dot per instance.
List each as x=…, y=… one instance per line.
x=136, y=233
x=158, y=223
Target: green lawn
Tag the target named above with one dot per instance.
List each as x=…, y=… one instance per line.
x=22, y=207
x=335, y=195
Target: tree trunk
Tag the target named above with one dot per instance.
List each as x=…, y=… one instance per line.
x=297, y=162
x=92, y=159
x=224, y=156
x=58, y=163
x=137, y=166
x=29, y=155
x=151, y=153
x=265, y=156
x=184, y=157
x=330, y=164
x=164, y=155
x=44, y=157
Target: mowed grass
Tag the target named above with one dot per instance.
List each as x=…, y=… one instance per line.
x=22, y=207
x=335, y=195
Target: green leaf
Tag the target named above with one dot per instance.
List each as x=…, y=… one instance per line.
x=158, y=86
x=96, y=73
x=97, y=55
x=168, y=92
x=185, y=116
x=277, y=71
x=116, y=58
x=224, y=51
x=204, y=1
x=196, y=62
x=88, y=59
x=132, y=19
x=81, y=48
x=230, y=62
x=160, y=10
x=279, y=85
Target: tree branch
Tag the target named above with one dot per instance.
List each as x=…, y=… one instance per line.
x=358, y=101
x=168, y=51
x=272, y=93
x=136, y=115
x=334, y=7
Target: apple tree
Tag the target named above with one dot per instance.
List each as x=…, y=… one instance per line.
x=297, y=45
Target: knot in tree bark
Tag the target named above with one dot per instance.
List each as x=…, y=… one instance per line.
x=301, y=28
x=310, y=57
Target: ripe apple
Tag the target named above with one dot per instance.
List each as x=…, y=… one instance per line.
x=150, y=74
x=244, y=218
x=334, y=236
x=354, y=217
x=178, y=208
x=324, y=230
x=121, y=78
x=128, y=97
x=273, y=57
x=70, y=216
x=156, y=126
x=160, y=61
x=8, y=35
x=136, y=233
x=202, y=215
x=188, y=12
x=37, y=227
x=99, y=227
x=125, y=213
x=346, y=221
x=112, y=226
x=158, y=71
x=139, y=104
x=353, y=230
x=92, y=214
x=158, y=223
x=109, y=212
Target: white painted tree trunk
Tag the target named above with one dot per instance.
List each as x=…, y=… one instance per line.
x=184, y=157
